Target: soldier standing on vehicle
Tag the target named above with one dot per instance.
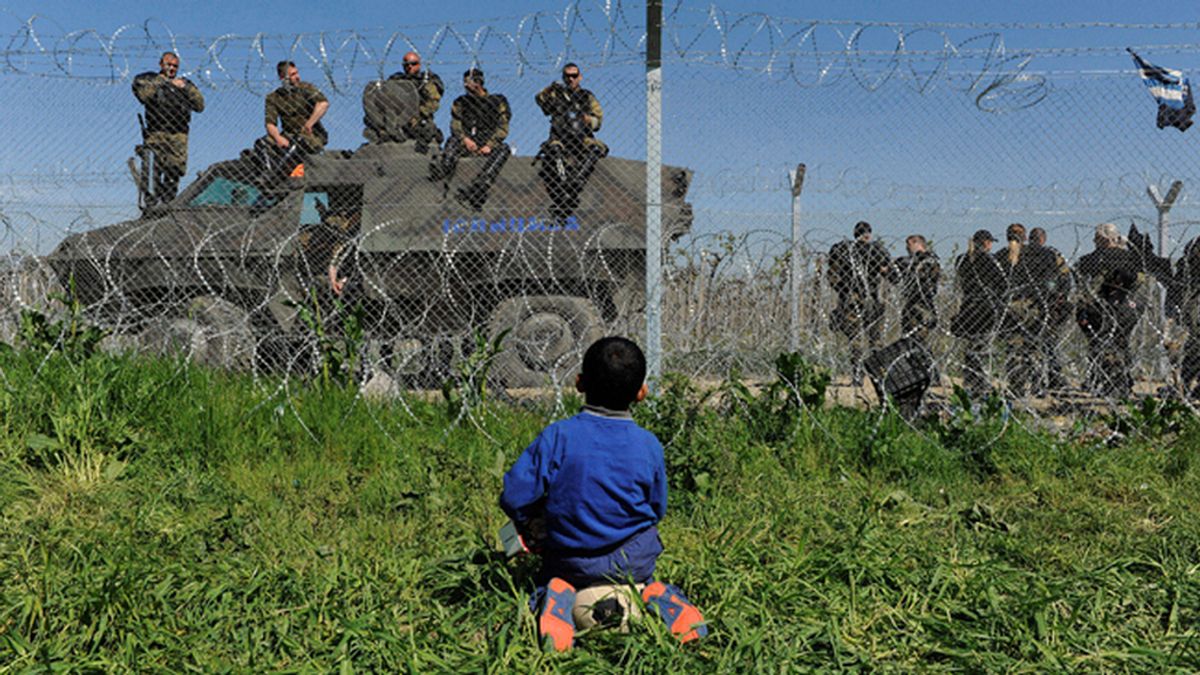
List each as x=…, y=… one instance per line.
x=571, y=152
x=981, y=282
x=430, y=88
x=917, y=274
x=855, y=271
x=292, y=115
x=170, y=101
x=478, y=126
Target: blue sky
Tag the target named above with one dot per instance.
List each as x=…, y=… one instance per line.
x=220, y=16
x=882, y=156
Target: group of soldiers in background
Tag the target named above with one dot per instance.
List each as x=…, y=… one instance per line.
x=1020, y=298
x=478, y=127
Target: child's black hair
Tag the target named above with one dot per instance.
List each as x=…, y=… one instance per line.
x=614, y=369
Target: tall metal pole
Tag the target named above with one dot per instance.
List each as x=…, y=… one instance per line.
x=654, y=190
x=1163, y=205
x=797, y=180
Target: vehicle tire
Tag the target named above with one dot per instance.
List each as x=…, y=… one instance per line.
x=547, y=337
x=215, y=332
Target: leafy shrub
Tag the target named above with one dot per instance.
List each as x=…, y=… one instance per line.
x=1150, y=418
x=677, y=415
x=771, y=416
x=973, y=429
x=467, y=389
x=338, y=348
x=69, y=336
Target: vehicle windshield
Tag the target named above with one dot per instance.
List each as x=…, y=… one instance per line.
x=227, y=191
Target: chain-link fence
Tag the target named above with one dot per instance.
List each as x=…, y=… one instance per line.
x=367, y=239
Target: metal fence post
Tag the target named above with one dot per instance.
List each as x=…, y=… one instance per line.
x=796, y=177
x=1163, y=206
x=654, y=190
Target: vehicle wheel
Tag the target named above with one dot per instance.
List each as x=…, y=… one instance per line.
x=547, y=337
x=216, y=333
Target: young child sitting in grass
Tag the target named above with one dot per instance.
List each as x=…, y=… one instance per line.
x=589, y=492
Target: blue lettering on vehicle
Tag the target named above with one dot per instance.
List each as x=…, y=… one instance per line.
x=511, y=225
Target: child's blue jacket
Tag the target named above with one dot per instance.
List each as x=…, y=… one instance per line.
x=598, y=480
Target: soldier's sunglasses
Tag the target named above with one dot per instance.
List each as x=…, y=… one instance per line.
x=411, y=63
x=570, y=76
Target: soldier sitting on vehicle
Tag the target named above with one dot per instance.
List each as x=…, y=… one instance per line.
x=418, y=124
x=570, y=154
x=292, y=115
x=170, y=102
x=478, y=126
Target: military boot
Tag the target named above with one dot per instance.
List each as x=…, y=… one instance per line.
x=476, y=194
x=473, y=196
x=585, y=167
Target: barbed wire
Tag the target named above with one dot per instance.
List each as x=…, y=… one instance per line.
x=727, y=291
x=807, y=53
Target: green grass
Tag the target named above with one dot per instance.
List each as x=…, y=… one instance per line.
x=157, y=516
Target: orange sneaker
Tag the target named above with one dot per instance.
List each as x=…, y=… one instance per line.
x=682, y=618
x=556, y=625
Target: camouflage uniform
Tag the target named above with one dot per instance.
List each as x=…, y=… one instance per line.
x=168, y=117
x=483, y=119
x=571, y=152
x=289, y=107
x=567, y=131
x=1187, y=302
x=1107, y=278
x=981, y=282
x=855, y=271
x=918, y=276
x=1021, y=321
x=1052, y=283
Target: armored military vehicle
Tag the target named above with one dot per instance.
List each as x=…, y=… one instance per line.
x=238, y=266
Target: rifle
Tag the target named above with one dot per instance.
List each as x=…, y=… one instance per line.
x=142, y=175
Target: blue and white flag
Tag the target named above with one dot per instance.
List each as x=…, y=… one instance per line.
x=1171, y=90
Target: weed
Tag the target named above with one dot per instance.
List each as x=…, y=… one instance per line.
x=799, y=386
x=1150, y=418
x=71, y=336
x=679, y=416
x=338, y=347
x=972, y=429
x=467, y=389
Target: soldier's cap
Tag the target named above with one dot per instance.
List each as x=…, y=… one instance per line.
x=981, y=236
x=474, y=74
x=861, y=228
